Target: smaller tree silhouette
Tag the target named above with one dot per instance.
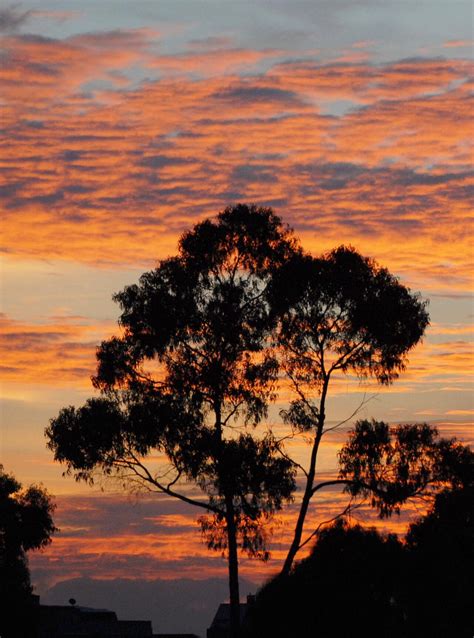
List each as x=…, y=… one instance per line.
x=341, y=314
x=26, y=524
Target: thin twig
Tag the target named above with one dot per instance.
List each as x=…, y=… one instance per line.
x=346, y=510
x=358, y=409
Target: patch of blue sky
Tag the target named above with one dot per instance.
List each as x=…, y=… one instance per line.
x=391, y=28
x=336, y=108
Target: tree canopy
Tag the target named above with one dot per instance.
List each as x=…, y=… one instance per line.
x=344, y=587
x=343, y=312
x=390, y=465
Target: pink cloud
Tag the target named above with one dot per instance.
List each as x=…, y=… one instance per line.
x=454, y=44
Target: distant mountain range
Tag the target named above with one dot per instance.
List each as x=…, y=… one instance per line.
x=182, y=605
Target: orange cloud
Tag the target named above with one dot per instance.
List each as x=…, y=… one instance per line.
x=130, y=170
x=104, y=536
x=451, y=329
x=113, y=176
x=57, y=354
x=209, y=61
x=36, y=70
x=454, y=44
x=460, y=412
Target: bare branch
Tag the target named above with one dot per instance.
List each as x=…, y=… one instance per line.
x=351, y=416
x=146, y=475
x=288, y=458
x=175, y=480
x=349, y=508
x=343, y=358
x=324, y=484
x=232, y=412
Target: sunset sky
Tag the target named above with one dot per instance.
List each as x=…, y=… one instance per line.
x=125, y=123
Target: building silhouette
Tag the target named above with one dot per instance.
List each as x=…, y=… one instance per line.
x=74, y=621
x=220, y=626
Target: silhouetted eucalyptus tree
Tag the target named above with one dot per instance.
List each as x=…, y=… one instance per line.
x=342, y=313
x=189, y=372
x=25, y=524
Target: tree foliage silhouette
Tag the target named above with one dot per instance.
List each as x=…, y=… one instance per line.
x=26, y=524
x=341, y=314
x=189, y=375
x=390, y=465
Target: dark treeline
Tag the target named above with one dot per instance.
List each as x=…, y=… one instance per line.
x=26, y=524
x=359, y=582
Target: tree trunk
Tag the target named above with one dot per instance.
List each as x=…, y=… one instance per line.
x=295, y=544
x=308, y=492
x=232, y=561
x=233, y=570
